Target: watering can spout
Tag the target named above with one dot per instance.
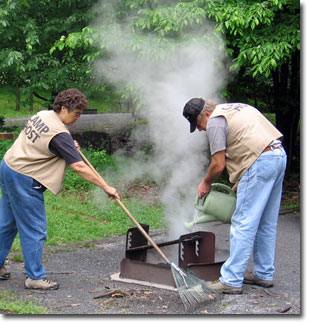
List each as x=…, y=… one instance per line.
x=200, y=220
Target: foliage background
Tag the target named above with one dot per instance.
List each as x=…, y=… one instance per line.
x=47, y=46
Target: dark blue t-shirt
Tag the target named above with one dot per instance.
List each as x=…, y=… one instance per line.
x=62, y=145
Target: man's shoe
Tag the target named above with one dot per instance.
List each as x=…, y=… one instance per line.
x=43, y=284
x=219, y=287
x=4, y=274
x=251, y=279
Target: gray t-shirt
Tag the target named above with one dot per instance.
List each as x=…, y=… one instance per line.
x=217, y=131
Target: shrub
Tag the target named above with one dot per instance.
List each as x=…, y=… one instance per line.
x=100, y=160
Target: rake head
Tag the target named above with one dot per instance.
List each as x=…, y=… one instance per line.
x=192, y=290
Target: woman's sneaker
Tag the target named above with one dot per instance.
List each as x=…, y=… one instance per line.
x=43, y=284
x=4, y=274
x=250, y=279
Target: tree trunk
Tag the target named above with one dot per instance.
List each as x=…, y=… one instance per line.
x=51, y=101
x=31, y=102
x=17, y=97
x=287, y=106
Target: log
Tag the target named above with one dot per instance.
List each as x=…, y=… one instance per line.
x=6, y=136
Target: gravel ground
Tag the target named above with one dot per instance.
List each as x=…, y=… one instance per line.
x=83, y=273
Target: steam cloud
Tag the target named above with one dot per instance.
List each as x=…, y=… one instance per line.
x=189, y=68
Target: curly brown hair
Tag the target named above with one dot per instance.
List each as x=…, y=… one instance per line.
x=71, y=99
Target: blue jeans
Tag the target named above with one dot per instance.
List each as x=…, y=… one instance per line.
x=22, y=210
x=254, y=222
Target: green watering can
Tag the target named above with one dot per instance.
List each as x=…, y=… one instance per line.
x=216, y=206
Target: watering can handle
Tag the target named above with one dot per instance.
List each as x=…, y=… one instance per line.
x=199, y=202
x=224, y=187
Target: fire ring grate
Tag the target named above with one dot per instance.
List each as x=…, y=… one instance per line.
x=195, y=251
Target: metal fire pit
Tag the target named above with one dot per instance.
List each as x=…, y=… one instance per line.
x=195, y=253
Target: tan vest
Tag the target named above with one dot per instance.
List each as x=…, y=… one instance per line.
x=30, y=154
x=249, y=133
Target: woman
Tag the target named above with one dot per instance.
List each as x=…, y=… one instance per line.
x=37, y=161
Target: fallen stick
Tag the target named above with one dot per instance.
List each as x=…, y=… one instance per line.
x=114, y=293
x=284, y=310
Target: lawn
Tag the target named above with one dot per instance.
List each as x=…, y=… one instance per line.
x=104, y=102
x=12, y=304
x=79, y=217
x=8, y=104
x=79, y=214
x=83, y=212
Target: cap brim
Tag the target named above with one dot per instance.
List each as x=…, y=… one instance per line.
x=193, y=126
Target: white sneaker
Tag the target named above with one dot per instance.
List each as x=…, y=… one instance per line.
x=43, y=284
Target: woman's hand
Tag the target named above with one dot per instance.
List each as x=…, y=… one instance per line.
x=112, y=192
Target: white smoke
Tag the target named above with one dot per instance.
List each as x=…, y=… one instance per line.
x=188, y=69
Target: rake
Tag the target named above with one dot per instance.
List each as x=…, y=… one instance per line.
x=192, y=290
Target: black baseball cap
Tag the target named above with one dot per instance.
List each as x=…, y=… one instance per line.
x=191, y=111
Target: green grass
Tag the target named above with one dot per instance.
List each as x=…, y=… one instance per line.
x=11, y=304
x=104, y=102
x=73, y=218
x=271, y=117
x=83, y=212
x=76, y=217
x=291, y=205
x=8, y=104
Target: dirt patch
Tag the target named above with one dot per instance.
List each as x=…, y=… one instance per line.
x=291, y=195
x=145, y=190
x=149, y=192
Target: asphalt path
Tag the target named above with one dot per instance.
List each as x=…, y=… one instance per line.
x=108, y=123
x=83, y=272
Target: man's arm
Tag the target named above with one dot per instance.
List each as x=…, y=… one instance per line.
x=216, y=167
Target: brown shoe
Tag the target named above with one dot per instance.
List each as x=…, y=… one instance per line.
x=222, y=288
x=4, y=274
x=251, y=279
x=43, y=284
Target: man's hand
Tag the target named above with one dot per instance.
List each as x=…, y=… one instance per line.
x=235, y=187
x=203, y=189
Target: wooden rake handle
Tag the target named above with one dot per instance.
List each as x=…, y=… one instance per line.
x=141, y=229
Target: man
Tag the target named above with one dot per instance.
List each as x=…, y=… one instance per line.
x=37, y=160
x=248, y=145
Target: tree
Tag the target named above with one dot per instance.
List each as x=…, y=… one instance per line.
x=265, y=39
x=28, y=30
x=262, y=38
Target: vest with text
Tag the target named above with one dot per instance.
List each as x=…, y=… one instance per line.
x=249, y=133
x=30, y=154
